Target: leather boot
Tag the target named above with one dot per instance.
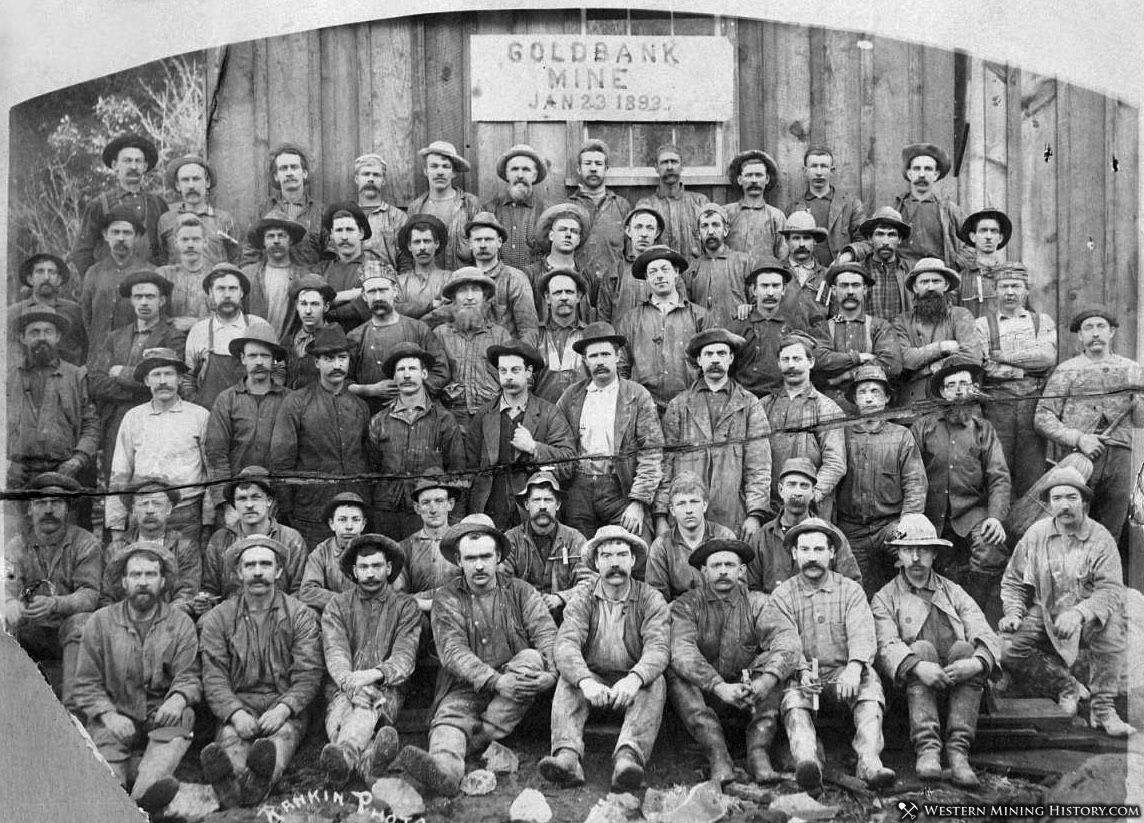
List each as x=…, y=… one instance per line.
x=261, y=763
x=219, y=772
x=479, y=740
x=155, y=783
x=961, y=726
x=804, y=749
x=707, y=732
x=925, y=731
x=627, y=771
x=336, y=765
x=441, y=768
x=562, y=768
x=384, y=749
x=868, y=745
x=760, y=736
x=1102, y=715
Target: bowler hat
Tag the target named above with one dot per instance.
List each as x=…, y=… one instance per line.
x=440, y=230
x=546, y=278
x=550, y=215
x=151, y=484
x=917, y=530
x=345, y=499
x=677, y=260
x=516, y=348
x=868, y=373
x=976, y=373
x=130, y=141
x=704, y=550
x=814, y=524
x=354, y=211
x=1094, y=311
x=249, y=476
x=313, y=282
x=969, y=225
x=605, y=534
x=117, y=563
x=222, y=269
x=473, y=524
x=540, y=478
x=933, y=264
x=186, y=160
x=1065, y=476
x=145, y=276
x=234, y=552
x=37, y=314
x=802, y=222
x=29, y=264
x=757, y=155
x=799, y=465
x=925, y=150
x=646, y=210
x=598, y=332
x=257, y=333
x=154, y=358
x=54, y=481
x=886, y=215
x=257, y=234
x=401, y=351
x=446, y=149
x=848, y=268
x=525, y=150
x=487, y=220
x=468, y=275
x=708, y=336
x=368, y=544
x=123, y=214
x=330, y=339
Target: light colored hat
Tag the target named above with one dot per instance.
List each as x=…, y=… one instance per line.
x=446, y=149
x=522, y=150
x=802, y=222
x=917, y=531
x=606, y=534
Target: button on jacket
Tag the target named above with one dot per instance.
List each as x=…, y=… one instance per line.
x=560, y=570
x=64, y=425
x=832, y=618
x=429, y=440
x=239, y=432
x=885, y=476
x=361, y=631
x=657, y=347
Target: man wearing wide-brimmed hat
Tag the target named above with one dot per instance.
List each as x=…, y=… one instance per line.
x=987, y=232
x=130, y=157
x=933, y=332
x=347, y=516
x=560, y=232
x=603, y=247
x=839, y=213
x=44, y=277
x=753, y=226
x=619, y=292
x=261, y=655
x=512, y=304
x=563, y=292
x=101, y=305
x=385, y=219
x=138, y=677
x=877, y=251
x=514, y=434
x=519, y=206
x=495, y=639
x=678, y=207
x=808, y=286
x=275, y=274
x=420, y=280
x=715, y=279
x=934, y=640
x=445, y=201
x=1063, y=591
x=192, y=178
x=369, y=638
x=716, y=410
x=731, y=655
x=290, y=200
x=935, y=220
x=348, y=229
x=612, y=651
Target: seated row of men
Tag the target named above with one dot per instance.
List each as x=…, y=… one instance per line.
x=723, y=652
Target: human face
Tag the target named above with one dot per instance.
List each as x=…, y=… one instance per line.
x=661, y=276
x=49, y=515
x=46, y=279
x=601, y=361
x=469, y=296
x=712, y=231
x=485, y=243
x=258, y=360
x=688, y=509
x=643, y=231
x=345, y=234
x=715, y=361
x=276, y=243
x=130, y=165
x=410, y=375
x=513, y=374
x=753, y=178
x=592, y=167
x=796, y=491
x=190, y=242
x=423, y=246
x=818, y=170
x=870, y=397
x=565, y=235
x=1066, y=505
x=768, y=289
x=520, y=171
x=922, y=173
x=957, y=386
x=252, y=505
x=258, y=569
x=477, y=557
x=563, y=295
x=615, y=561
x=1095, y=335
x=120, y=238
x=1012, y=294
x=850, y=290
x=986, y=237
x=669, y=167
x=885, y=240
x=147, y=301
x=801, y=246
x=813, y=552
x=795, y=364
x=41, y=336
x=372, y=571
x=917, y=561
x=439, y=172
x=347, y=522
x=311, y=308
x=930, y=282
x=226, y=295
x=163, y=381
x=191, y=182
x=369, y=180
x=434, y=506
x=332, y=368
x=151, y=510
x=289, y=172
x=142, y=582
x=542, y=504
x=722, y=571
x=380, y=295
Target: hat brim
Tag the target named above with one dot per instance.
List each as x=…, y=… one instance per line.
x=27, y=266
x=485, y=224
x=450, y=288
x=541, y=166
x=111, y=150
x=243, y=280
x=639, y=267
x=144, y=368
x=450, y=544
x=581, y=345
x=1074, y=324
x=359, y=217
x=736, y=167
x=165, y=286
x=926, y=150
x=867, y=226
x=497, y=351
x=439, y=230
x=62, y=324
x=852, y=389
x=951, y=277
x=236, y=346
x=786, y=274
x=970, y=225
x=460, y=164
x=173, y=171
x=977, y=373
x=389, y=365
x=931, y=542
x=1085, y=491
x=257, y=235
x=733, y=341
x=638, y=546
x=542, y=283
x=117, y=563
x=389, y=547
x=700, y=555
x=333, y=506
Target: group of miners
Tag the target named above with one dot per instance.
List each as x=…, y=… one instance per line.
x=745, y=459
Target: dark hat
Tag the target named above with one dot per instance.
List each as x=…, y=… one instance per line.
x=639, y=267
x=330, y=339
x=257, y=333
x=37, y=314
x=344, y=499
x=969, y=225
x=540, y=478
x=145, y=276
x=605, y=534
x=54, y=481
x=792, y=336
x=354, y=210
x=917, y=530
x=154, y=358
x=889, y=216
x=233, y=553
x=550, y=215
x=488, y=220
x=359, y=545
x=521, y=149
x=473, y=524
x=132, y=141
x=434, y=479
x=933, y=264
x=925, y=150
x=704, y=550
x=221, y=269
x=1094, y=311
x=976, y=373
x=440, y=230
x=848, y=268
x=29, y=264
x=186, y=160
x=742, y=158
x=313, y=282
x=708, y=336
x=518, y=348
x=401, y=351
x=151, y=484
x=802, y=222
x=749, y=281
x=1065, y=476
x=117, y=563
x=256, y=237
x=249, y=476
x=123, y=214
x=599, y=332
x=446, y=149
x=814, y=524
x=800, y=465
x=468, y=274
x=546, y=278
x=646, y=210
x=868, y=373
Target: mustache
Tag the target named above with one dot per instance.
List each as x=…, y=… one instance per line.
x=813, y=565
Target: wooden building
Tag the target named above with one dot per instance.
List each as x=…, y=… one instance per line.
x=1061, y=160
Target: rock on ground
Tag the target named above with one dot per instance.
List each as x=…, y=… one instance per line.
x=401, y=798
x=479, y=781
x=803, y=806
x=530, y=807
x=193, y=802
x=500, y=759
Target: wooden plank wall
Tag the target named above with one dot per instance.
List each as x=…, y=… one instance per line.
x=1040, y=149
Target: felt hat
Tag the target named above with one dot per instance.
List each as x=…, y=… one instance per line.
x=917, y=531
x=117, y=563
x=546, y=278
x=440, y=230
x=487, y=220
x=154, y=358
x=401, y=351
x=976, y=373
x=926, y=150
x=186, y=160
x=473, y=524
x=256, y=237
x=313, y=282
x=518, y=348
x=466, y=275
x=605, y=534
x=1066, y=476
x=257, y=333
x=814, y=524
x=54, y=481
x=354, y=210
x=713, y=208
x=704, y=550
x=757, y=155
x=221, y=269
x=151, y=276
x=249, y=476
x=540, y=478
x=677, y=260
x=370, y=158
x=38, y=314
x=150, y=484
x=130, y=141
x=802, y=222
x=848, y=268
x=646, y=210
x=233, y=553
x=800, y=465
x=599, y=332
x=446, y=149
x=933, y=264
x=123, y=214
x=749, y=281
x=867, y=373
x=969, y=225
x=434, y=479
x=359, y=545
x=1093, y=311
x=888, y=216
x=29, y=264
x=345, y=499
x=330, y=339
x=550, y=215
x=708, y=336
x=525, y=150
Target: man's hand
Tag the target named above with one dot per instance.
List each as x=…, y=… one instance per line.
x=596, y=693
x=71, y=467
x=992, y=531
x=743, y=311
x=120, y=726
x=625, y=691
x=961, y=670
x=866, y=357
x=552, y=602
x=633, y=517
x=751, y=525
x=846, y=686
x=273, y=718
x=932, y=675
x=1008, y=624
x=40, y=609
x=518, y=687
x=522, y=440
x=202, y=603
x=949, y=346
x=171, y=712
x=245, y=724
x=1091, y=446
x=1068, y=623
x=363, y=677
x=734, y=694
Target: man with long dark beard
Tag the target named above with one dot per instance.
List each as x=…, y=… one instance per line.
x=46, y=275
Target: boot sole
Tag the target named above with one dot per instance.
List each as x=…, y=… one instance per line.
x=335, y=765
x=158, y=795
x=554, y=772
x=628, y=777
x=808, y=775
x=219, y=772
x=386, y=747
x=424, y=769
x=262, y=757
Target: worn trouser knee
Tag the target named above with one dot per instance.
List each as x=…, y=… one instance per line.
x=526, y=660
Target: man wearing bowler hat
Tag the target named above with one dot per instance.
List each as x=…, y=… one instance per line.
x=839, y=213
x=560, y=232
x=275, y=274
x=495, y=639
x=348, y=230
x=347, y=516
x=290, y=199
x=715, y=278
x=934, y=220
x=446, y=201
x=752, y=225
x=512, y=435
x=678, y=207
x=618, y=438
x=369, y=639
x=192, y=178
x=563, y=292
x=130, y=157
x=618, y=292
x=385, y=219
x=934, y=640
x=310, y=299
x=519, y=206
x=987, y=232
x=419, y=284
x=878, y=253
x=101, y=305
x=603, y=247
x=45, y=275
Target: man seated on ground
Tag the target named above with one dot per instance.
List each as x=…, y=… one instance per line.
x=347, y=517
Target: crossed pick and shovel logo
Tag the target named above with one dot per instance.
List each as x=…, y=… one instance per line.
x=908, y=809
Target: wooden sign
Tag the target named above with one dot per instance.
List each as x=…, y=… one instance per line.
x=588, y=78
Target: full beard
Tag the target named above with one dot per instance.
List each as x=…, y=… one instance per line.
x=468, y=319
x=960, y=413
x=932, y=309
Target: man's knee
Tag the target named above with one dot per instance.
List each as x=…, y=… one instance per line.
x=960, y=650
x=71, y=629
x=526, y=660
x=925, y=650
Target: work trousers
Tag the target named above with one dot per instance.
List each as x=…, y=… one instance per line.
x=640, y=728
x=593, y=501
x=1029, y=654
x=352, y=720
x=698, y=710
x=875, y=559
x=285, y=740
x=1012, y=416
x=462, y=707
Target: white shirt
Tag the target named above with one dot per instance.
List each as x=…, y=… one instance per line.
x=598, y=420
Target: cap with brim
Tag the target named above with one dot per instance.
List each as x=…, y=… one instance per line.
x=400, y=352
x=709, y=336
x=257, y=333
x=800, y=465
x=54, y=481
x=446, y=149
x=354, y=211
x=868, y=373
x=233, y=554
x=550, y=215
x=517, y=348
x=546, y=278
x=123, y=214
x=257, y=234
x=522, y=150
x=802, y=222
x=132, y=141
x=976, y=373
x=434, y=480
x=440, y=230
x=925, y=150
x=1014, y=270
x=470, y=275
x=599, y=332
x=368, y=544
x=969, y=225
x=606, y=534
x=848, y=268
x=330, y=339
x=155, y=358
x=487, y=220
x=540, y=478
x=932, y=265
x=1096, y=311
x=886, y=215
x=117, y=563
x=223, y=269
x=313, y=282
x=145, y=276
x=677, y=260
x=917, y=530
x=1065, y=476
x=646, y=210
x=344, y=499
x=29, y=264
x=473, y=524
x=698, y=557
x=712, y=208
x=43, y=314
x=186, y=160
x=753, y=155
x=150, y=486
x=814, y=524
x=250, y=476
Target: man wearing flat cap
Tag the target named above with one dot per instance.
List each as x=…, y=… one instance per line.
x=1083, y=397
x=512, y=435
x=44, y=276
x=678, y=207
x=560, y=232
x=347, y=516
x=275, y=274
x=138, y=677
x=1062, y=592
x=619, y=292
x=563, y=292
x=54, y=571
x=519, y=206
x=658, y=330
x=877, y=251
x=191, y=178
x=612, y=650
x=731, y=655
x=495, y=639
x=385, y=219
x=321, y=431
x=290, y=200
x=261, y=655
x=668, y=570
x=212, y=366
x=420, y=281
x=446, y=201
x=736, y=465
x=987, y=232
x=603, y=247
x=434, y=498
x=369, y=638
x=935, y=220
x=187, y=303
x=347, y=228
x=130, y=157
x=310, y=299
x=834, y=621
x=933, y=333
x=715, y=278
x=412, y=434
x=512, y=304
x=752, y=225
x=839, y=213
x=101, y=305
x=934, y=640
